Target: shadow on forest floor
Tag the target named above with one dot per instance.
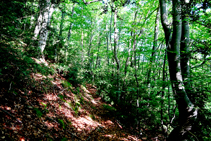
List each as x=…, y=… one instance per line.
x=47, y=107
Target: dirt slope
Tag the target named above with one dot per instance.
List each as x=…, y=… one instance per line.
x=50, y=108
x=54, y=110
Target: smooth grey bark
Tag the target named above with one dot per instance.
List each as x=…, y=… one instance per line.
x=187, y=112
x=184, y=48
x=46, y=11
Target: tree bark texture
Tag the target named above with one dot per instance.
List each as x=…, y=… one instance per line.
x=187, y=112
x=46, y=11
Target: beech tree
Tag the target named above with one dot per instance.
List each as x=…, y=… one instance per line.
x=46, y=9
x=187, y=111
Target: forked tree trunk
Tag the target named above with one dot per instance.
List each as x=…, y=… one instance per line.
x=187, y=112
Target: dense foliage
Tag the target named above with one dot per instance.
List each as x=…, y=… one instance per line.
x=118, y=46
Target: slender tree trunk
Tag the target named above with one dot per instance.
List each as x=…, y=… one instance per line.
x=107, y=48
x=137, y=85
x=98, y=58
x=69, y=33
x=128, y=57
x=82, y=41
x=89, y=50
x=184, y=49
x=134, y=49
x=111, y=43
x=116, y=39
x=162, y=93
x=59, y=45
x=156, y=30
x=133, y=34
x=61, y=23
x=115, y=51
x=32, y=20
x=71, y=24
x=119, y=38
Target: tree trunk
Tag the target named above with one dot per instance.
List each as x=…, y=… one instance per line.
x=89, y=50
x=110, y=30
x=46, y=11
x=115, y=51
x=71, y=24
x=184, y=49
x=133, y=34
x=59, y=45
x=187, y=112
x=116, y=39
x=98, y=50
x=156, y=30
x=162, y=95
x=107, y=48
x=128, y=57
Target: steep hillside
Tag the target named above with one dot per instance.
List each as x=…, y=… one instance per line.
x=48, y=107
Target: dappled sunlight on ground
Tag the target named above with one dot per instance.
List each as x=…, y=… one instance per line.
x=51, y=125
x=84, y=123
x=83, y=117
x=41, y=61
x=61, y=112
x=50, y=97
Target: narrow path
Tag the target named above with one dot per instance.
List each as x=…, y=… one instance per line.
x=58, y=112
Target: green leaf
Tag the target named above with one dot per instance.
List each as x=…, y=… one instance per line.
x=38, y=112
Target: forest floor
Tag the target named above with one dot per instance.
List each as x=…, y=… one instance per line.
x=52, y=109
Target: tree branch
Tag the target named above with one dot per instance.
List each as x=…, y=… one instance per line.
x=86, y=3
